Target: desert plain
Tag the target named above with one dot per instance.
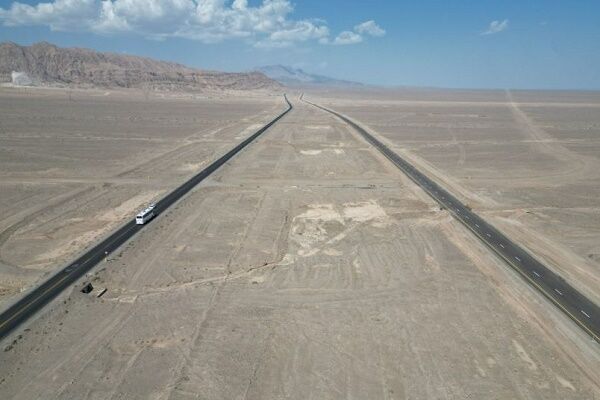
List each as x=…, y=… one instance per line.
x=308, y=266
x=75, y=164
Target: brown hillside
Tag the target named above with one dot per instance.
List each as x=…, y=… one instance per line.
x=52, y=65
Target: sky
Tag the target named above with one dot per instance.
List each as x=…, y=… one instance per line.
x=516, y=44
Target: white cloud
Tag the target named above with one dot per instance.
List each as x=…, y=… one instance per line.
x=348, y=37
x=300, y=31
x=357, y=35
x=267, y=24
x=58, y=15
x=495, y=27
x=369, y=28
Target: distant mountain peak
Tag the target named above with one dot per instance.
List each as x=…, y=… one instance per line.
x=291, y=76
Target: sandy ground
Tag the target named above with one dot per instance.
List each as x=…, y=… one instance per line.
x=307, y=267
x=76, y=164
x=527, y=161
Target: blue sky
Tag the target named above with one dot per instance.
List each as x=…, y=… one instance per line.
x=546, y=44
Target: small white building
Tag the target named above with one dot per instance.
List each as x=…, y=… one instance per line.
x=21, y=79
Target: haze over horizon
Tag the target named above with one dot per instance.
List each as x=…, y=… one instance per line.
x=523, y=45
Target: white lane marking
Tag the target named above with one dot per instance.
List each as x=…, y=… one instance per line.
x=586, y=314
x=517, y=258
x=488, y=235
x=501, y=245
x=536, y=274
x=558, y=291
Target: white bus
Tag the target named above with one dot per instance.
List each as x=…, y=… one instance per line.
x=145, y=215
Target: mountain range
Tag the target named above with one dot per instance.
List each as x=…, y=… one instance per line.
x=46, y=64
x=296, y=77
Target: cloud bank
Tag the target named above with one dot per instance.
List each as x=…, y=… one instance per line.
x=268, y=24
x=496, y=27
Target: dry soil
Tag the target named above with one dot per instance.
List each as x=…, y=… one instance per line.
x=307, y=267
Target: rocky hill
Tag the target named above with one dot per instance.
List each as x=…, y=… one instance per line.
x=47, y=64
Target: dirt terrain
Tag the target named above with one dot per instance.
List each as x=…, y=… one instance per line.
x=307, y=267
x=76, y=164
x=527, y=161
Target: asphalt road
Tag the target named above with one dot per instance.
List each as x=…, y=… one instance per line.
x=578, y=307
x=37, y=298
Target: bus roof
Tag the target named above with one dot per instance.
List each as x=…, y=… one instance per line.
x=145, y=211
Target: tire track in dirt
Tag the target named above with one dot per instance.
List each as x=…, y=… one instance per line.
x=189, y=145
x=577, y=165
x=9, y=231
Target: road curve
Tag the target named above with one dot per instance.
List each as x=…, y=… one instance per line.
x=37, y=298
x=579, y=308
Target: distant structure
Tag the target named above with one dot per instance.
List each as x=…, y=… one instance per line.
x=21, y=79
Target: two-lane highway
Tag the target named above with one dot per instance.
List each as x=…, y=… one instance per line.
x=578, y=307
x=33, y=301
